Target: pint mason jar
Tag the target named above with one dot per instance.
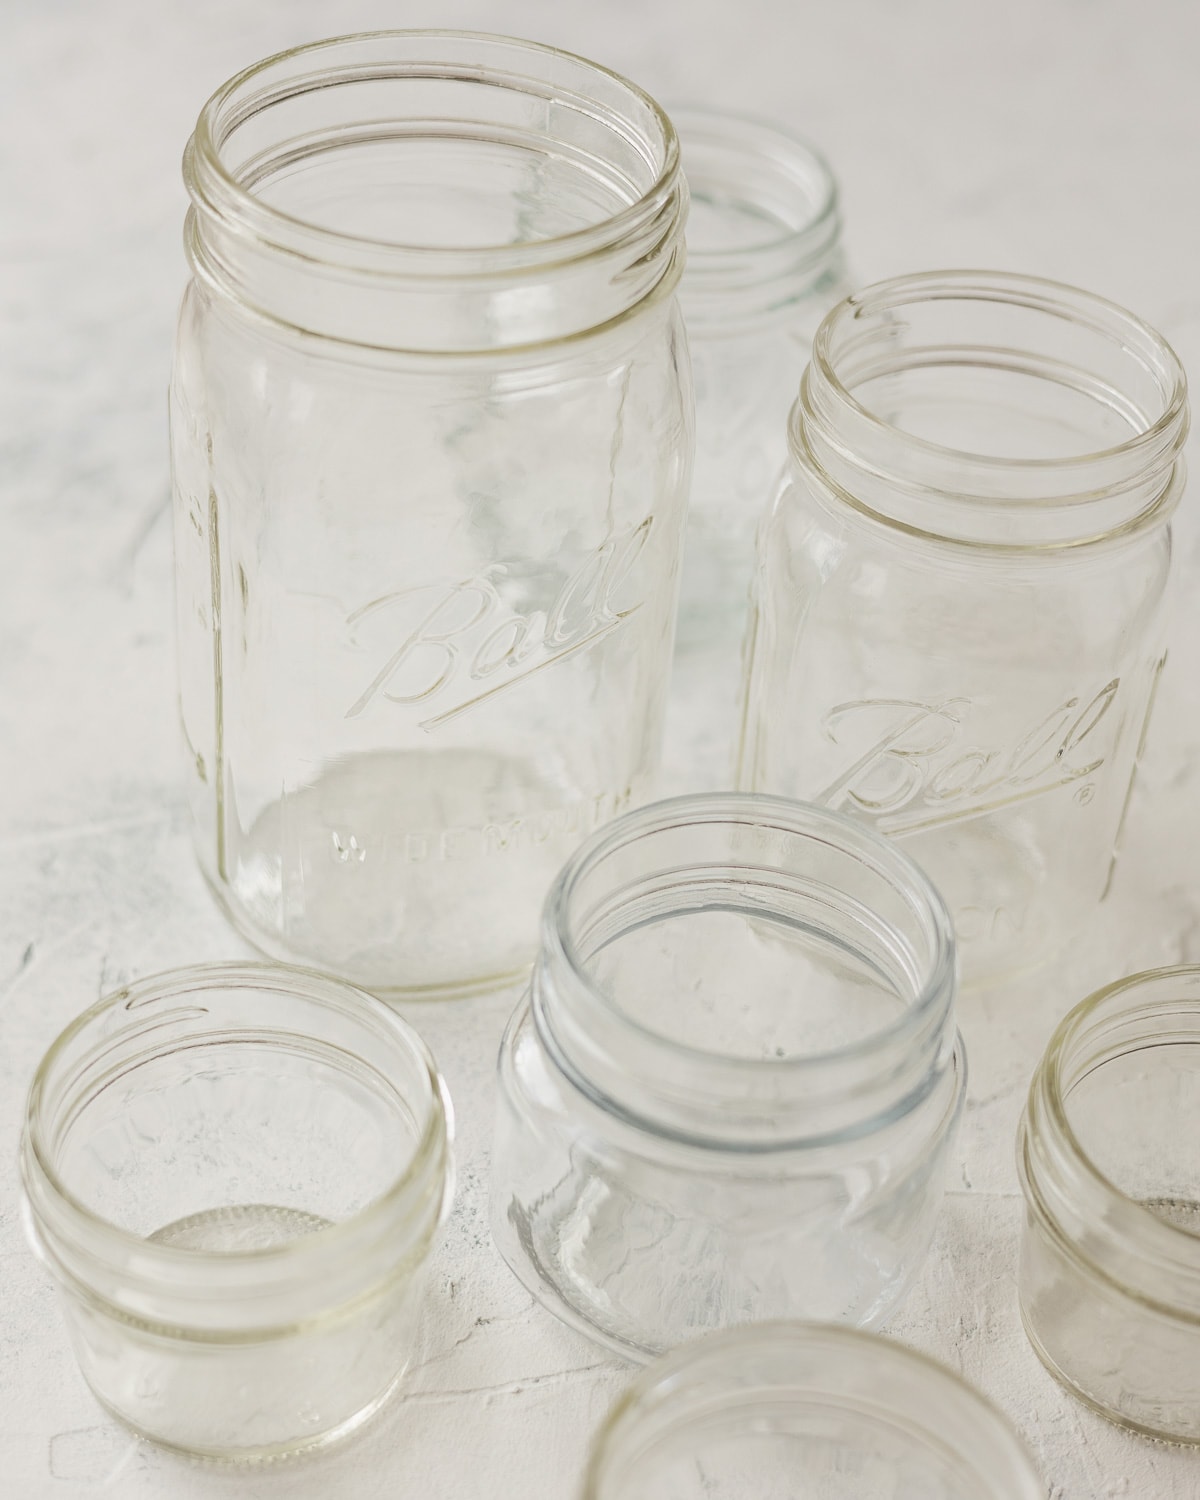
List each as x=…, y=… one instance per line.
x=431, y=434
x=764, y=265
x=958, y=623
x=731, y=1091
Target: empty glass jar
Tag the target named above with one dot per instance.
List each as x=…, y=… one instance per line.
x=785, y=1410
x=764, y=265
x=1110, y=1258
x=731, y=1090
x=958, y=623
x=235, y=1175
x=431, y=435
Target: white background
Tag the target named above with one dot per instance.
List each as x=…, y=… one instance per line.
x=1053, y=136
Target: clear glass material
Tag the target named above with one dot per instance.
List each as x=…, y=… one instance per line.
x=730, y=1092
x=958, y=622
x=789, y=1410
x=764, y=266
x=1110, y=1258
x=431, y=435
x=235, y=1175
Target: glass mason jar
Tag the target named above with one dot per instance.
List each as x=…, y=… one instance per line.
x=958, y=623
x=431, y=434
x=731, y=1090
x=764, y=266
x=783, y=1410
x=1110, y=1257
x=235, y=1174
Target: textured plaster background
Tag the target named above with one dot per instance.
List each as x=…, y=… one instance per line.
x=1052, y=136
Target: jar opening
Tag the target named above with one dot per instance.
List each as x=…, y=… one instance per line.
x=392, y=167
x=1107, y=1153
x=749, y=958
x=763, y=222
x=995, y=409
x=197, y=1140
x=786, y=1408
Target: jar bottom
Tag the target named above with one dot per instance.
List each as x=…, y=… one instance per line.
x=409, y=873
x=276, y=1453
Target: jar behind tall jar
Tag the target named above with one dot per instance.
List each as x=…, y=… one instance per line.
x=959, y=616
x=431, y=433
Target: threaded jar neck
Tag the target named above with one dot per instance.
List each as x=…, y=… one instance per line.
x=764, y=228
x=176, y=1028
x=993, y=410
x=1105, y=1152
x=435, y=191
x=747, y=972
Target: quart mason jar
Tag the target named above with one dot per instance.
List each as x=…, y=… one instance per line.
x=431, y=434
x=731, y=1091
x=958, y=624
x=764, y=266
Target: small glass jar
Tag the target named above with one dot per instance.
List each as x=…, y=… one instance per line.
x=1110, y=1257
x=764, y=266
x=431, y=425
x=783, y=1410
x=959, y=613
x=731, y=1090
x=235, y=1174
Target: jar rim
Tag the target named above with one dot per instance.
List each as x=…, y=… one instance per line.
x=753, y=136
x=804, y=819
x=214, y=187
x=1050, y=1149
x=993, y=503
x=1056, y=298
x=829, y=1345
x=319, y=1245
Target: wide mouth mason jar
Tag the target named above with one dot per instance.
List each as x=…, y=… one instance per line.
x=764, y=265
x=959, y=614
x=730, y=1092
x=781, y=1410
x=1110, y=1258
x=431, y=436
x=235, y=1174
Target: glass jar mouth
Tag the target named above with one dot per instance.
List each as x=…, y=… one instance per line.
x=416, y=54
x=847, y=1088
x=1105, y=1227
x=833, y=1367
x=950, y=491
x=59, y=1218
x=761, y=164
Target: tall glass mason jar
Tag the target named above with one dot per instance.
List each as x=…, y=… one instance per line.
x=958, y=623
x=764, y=266
x=431, y=435
x=731, y=1091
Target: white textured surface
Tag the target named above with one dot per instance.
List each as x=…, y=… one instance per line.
x=1053, y=136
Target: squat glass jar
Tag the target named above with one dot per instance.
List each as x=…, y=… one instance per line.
x=1110, y=1258
x=431, y=436
x=764, y=266
x=784, y=1410
x=959, y=613
x=731, y=1090
x=235, y=1175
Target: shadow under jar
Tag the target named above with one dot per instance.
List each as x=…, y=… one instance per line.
x=784, y=1410
x=730, y=1093
x=959, y=614
x=235, y=1175
x=1110, y=1258
x=431, y=435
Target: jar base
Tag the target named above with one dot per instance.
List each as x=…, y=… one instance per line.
x=288, y=1451
x=1115, y=1419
